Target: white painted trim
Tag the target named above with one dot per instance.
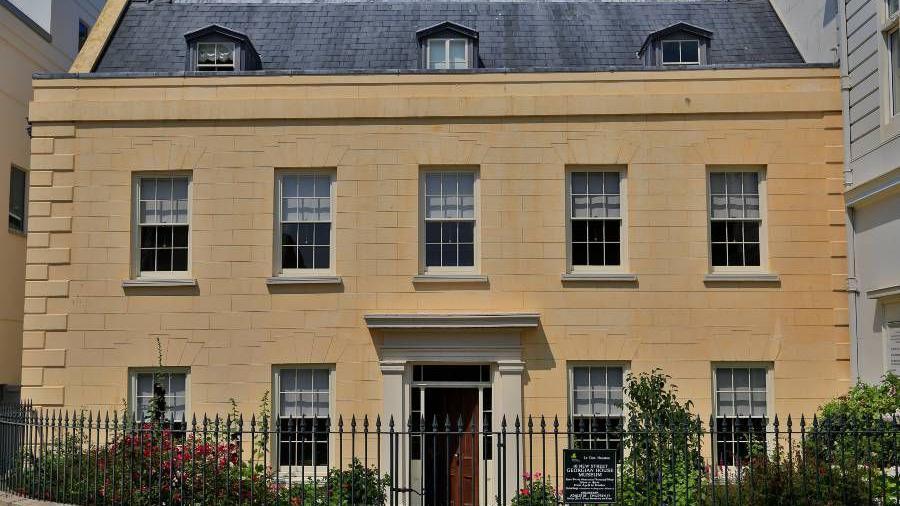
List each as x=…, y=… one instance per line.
x=304, y=280
x=762, y=190
x=884, y=293
x=281, y=273
x=158, y=283
x=132, y=387
x=741, y=277
x=452, y=321
x=449, y=278
x=873, y=189
x=276, y=420
x=574, y=272
x=622, y=277
x=439, y=271
x=136, y=225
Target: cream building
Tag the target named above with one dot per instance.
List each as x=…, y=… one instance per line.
x=455, y=215
x=35, y=36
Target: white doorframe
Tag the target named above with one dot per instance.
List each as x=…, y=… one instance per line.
x=501, y=348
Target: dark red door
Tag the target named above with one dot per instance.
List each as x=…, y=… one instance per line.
x=452, y=454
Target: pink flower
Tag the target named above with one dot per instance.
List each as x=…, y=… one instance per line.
x=526, y=475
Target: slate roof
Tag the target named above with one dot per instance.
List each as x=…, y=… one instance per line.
x=380, y=35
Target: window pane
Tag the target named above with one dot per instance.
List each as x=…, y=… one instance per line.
x=437, y=54
x=690, y=51
x=180, y=259
x=207, y=54
x=735, y=255
x=893, y=6
x=466, y=232
x=579, y=182
x=670, y=52
x=751, y=254
x=17, y=185
x=717, y=183
x=579, y=254
x=612, y=254
x=735, y=231
x=225, y=53
x=458, y=54
x=758, y=378
x=751, y=231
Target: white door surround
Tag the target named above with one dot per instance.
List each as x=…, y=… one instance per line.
x=412, y=339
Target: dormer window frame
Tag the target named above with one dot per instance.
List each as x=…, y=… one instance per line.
x=447, y=32
x=680, y=40
x=244, y=55
x=652, y=50
x=216, y=66
x=448, y=44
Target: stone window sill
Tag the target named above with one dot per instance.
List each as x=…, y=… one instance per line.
x=600, y=277
x=450, y=278
x=741, y=277
x=304, y=280
x=158, y=283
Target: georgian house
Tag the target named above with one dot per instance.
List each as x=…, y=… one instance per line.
x=475, y=208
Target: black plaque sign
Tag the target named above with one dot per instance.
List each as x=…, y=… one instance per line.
x=589, y=476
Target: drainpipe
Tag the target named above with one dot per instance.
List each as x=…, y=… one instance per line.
x=852, y=282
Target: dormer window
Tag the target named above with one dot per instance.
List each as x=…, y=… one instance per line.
x=448, y=54
x=215, y=56
x=219, y=49
x=678, y=44
x=681, y=52
x=448, y=46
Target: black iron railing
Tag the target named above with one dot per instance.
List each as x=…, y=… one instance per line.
x=98, y=458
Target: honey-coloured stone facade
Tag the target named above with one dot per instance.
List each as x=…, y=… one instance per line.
x=377, y=133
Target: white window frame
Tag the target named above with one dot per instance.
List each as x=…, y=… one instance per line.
x=24, y=217
x=447, y=41
x=680, y=41
x=320, y=472
x=331, y=270
x=623, y=220
x=893, y=88
x=763, y=266
x=136, y=226
x=133, y=373
x=770, y=404
x=217, y=67
x=570, y=388
x=476, y=248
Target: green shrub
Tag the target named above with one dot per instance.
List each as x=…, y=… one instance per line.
x=662, y=444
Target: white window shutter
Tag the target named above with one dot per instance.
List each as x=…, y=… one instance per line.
x=893, y=346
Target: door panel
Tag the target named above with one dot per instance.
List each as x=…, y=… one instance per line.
x=451, y=454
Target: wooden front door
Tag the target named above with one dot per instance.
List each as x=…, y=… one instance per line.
x=452, y=454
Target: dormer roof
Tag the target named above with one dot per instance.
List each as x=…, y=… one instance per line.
x=680, y=27
x=446, y=26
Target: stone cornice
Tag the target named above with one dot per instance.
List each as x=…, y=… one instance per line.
x=436, y=96
x=452, y=321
